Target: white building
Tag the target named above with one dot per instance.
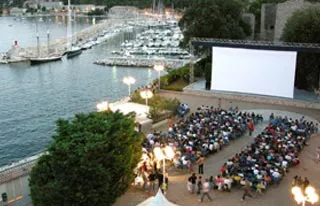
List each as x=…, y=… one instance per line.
x=52, y=5
x=15, y=11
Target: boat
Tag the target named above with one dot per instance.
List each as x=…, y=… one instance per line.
x=86, y=46
x=72, y=50
x=41, y=60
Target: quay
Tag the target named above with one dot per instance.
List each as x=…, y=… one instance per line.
x=142, y=62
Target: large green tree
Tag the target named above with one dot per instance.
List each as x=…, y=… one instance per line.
x=214, y=19
x=304, y=26
x=90, y=161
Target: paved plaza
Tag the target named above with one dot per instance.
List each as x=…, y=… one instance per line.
x=276, y=195
x=177, y=193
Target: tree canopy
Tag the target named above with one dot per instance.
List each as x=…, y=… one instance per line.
x=214, y=19
x=90, y=161
x=304, y=26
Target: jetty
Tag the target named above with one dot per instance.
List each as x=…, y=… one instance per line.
x=142, y=62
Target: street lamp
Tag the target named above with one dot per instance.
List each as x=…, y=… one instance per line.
x=128, y=81
x=163, y=154
x=159, y=68
x=309, y=195
x=102, y=106
x=146, y=94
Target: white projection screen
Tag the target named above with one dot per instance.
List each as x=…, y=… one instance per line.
x=262, y=72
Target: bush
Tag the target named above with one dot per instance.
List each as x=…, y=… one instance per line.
x=157, y=104
x=90, y=162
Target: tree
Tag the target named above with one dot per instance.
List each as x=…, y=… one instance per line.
x=304, y=26
x=214, y=19
x=90, y=161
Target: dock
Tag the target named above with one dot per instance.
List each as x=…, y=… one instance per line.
x=142, y=62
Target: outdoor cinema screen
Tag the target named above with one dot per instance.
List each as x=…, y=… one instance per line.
x=262, y=72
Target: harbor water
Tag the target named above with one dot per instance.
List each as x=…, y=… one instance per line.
x=32, y=98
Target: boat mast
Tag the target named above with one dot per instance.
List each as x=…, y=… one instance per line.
x=48, y=41
x=153, y=6
x=74, y=37
x=38, y=39
x=69, y=32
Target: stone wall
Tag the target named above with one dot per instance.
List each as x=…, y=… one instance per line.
x=255, y=99
x=275, y=16
x=268, y=21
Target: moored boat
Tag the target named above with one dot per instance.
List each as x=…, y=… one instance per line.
x=41, y=60
x=74, y=51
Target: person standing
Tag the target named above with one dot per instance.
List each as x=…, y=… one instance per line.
x=152, y=179
x=318, y=153
x=193, y=180
x=201, y=165
x=199, y=185
x=251, y=127
x=247, y=190
x=145, y=180
x=206, y=188
x=160, y=181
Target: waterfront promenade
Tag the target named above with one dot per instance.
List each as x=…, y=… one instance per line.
x=178, y=191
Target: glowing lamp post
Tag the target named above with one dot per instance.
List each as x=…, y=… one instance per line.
x=146, y=94
x=102, y=106
x=159, y=68
x=128, y=81
x=163, y=154
x=309, y=195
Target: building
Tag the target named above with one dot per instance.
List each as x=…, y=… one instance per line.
x=15, y=11
x=120, y=10
x=84, y=8
x=58, y=5
x=275, y=16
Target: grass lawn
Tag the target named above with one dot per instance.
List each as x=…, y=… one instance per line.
x=176, y=85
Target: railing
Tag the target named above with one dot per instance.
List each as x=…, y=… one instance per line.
x=18, y=169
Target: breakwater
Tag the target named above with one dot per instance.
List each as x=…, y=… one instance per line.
x=141, y=62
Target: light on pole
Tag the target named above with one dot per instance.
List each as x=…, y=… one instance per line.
x=102, y=106
x=163, y=154
x=301, y=197
x=159, y=68
x=146, y=94
x=128, y=81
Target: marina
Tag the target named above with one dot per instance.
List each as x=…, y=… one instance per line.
x=34, y=97
x=55, y=49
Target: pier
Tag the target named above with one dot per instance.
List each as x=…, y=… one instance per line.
x=142, y=62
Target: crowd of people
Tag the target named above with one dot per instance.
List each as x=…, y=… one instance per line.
x=207, y=131
x=265, y=161
x=202, y=133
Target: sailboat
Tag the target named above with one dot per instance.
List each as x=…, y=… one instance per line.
x=72, y=51
x=43, y=59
